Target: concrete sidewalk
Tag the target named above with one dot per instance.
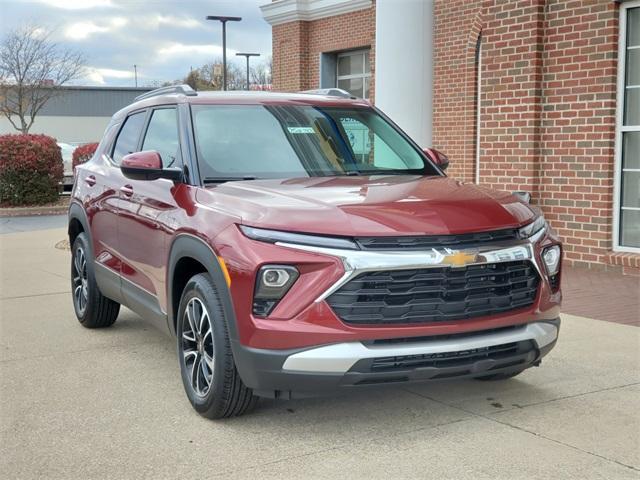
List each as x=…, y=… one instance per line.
x=77, y=403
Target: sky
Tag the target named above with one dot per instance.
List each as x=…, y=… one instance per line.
x=164, y=38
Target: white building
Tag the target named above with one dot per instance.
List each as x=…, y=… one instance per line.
x=78, y=114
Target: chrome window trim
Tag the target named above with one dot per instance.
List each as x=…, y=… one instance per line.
x=359, y=261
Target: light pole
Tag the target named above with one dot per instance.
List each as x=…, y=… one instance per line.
x=247, y=55
x=224, y=21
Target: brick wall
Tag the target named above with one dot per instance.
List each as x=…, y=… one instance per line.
x=547, y=115
x=457, y=24
x=290, y=56
x=510, y=94
x=578, y=126
x=297, y=47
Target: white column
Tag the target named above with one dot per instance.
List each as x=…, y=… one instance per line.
x=404, y=65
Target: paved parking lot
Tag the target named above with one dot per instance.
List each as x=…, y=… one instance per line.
x=77, y=403
x=27, y=224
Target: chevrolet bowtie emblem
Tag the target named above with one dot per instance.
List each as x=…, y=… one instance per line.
x=460, y=259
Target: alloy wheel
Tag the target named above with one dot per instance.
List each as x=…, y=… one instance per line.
x=80, y=280
x=197, y=346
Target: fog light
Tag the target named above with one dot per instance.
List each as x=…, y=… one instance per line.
x=275, y=277
x=272, y=283
x=551, y=257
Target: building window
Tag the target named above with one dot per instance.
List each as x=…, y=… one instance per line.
x=627, y=214
x=353, y=73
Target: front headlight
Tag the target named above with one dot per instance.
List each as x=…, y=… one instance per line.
x=551, y=257
x=534, y=227
x=276, y=236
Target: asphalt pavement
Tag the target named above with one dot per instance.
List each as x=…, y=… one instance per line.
x=84, y=404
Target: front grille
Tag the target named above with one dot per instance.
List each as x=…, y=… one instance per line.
x=436, y=241
x=438, y=294
x=451, y=359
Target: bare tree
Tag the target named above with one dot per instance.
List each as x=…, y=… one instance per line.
x=209, y=77
x=32, y=70
x=261, y=73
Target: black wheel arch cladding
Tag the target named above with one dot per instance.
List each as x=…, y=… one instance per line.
x=189, y=246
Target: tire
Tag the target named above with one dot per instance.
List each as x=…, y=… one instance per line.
x=208, y=371
x=93, y=309
x=499, y=376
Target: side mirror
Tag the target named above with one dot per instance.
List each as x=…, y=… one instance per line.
x=439, y=158
x=147, y=165
x=524, y=196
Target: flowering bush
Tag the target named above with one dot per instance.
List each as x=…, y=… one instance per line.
x=30, y=169
x=83, y=154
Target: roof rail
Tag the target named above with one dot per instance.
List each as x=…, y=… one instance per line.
x=330, y=92
x=183, y=89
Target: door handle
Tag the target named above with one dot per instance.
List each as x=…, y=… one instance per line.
x=127, y=190
x=90, y=180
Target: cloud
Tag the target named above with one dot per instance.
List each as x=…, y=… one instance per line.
x=77, y=4
x=179, y=49
x=101, y=75
x=39, y=32
x=117, y=22
x=83, y=30
x=156, y=21
x=164, y=38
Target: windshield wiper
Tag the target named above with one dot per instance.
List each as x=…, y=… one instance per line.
x=227, y=179
x=390, y=171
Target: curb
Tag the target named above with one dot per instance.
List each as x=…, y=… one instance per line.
x=33, y=211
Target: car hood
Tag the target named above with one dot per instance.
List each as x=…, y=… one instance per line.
x=368, y=205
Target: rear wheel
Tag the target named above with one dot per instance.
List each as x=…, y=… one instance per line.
x=93, y=309
x=208, y=371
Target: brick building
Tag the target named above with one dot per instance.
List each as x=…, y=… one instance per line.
x=536, y=95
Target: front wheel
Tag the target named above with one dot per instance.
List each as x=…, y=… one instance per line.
x=93, y=309
x=208, y=371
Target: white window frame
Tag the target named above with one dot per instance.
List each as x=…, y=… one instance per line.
x=364, y=75
x=621, y=128
x=478, y=106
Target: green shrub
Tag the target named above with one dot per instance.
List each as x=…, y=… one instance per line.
x=30, y=169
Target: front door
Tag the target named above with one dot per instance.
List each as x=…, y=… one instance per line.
x=147, y=220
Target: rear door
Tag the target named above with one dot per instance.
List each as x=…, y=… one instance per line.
x=105, y=181
x=147, y=219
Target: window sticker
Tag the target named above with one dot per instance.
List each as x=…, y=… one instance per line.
x=301, y=130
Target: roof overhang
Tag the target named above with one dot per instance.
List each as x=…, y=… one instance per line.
x=284, y=11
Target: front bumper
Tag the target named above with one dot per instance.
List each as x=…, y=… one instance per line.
x=303, y=319
x=310, y=371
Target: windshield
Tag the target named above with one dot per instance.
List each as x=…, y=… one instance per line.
x=256, y=141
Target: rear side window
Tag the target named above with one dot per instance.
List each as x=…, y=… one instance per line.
x=162, y=136
x=127, y=141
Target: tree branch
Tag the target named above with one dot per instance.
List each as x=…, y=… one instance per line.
x=32, y=71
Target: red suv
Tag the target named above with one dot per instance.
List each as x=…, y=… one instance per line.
x=295, y=244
